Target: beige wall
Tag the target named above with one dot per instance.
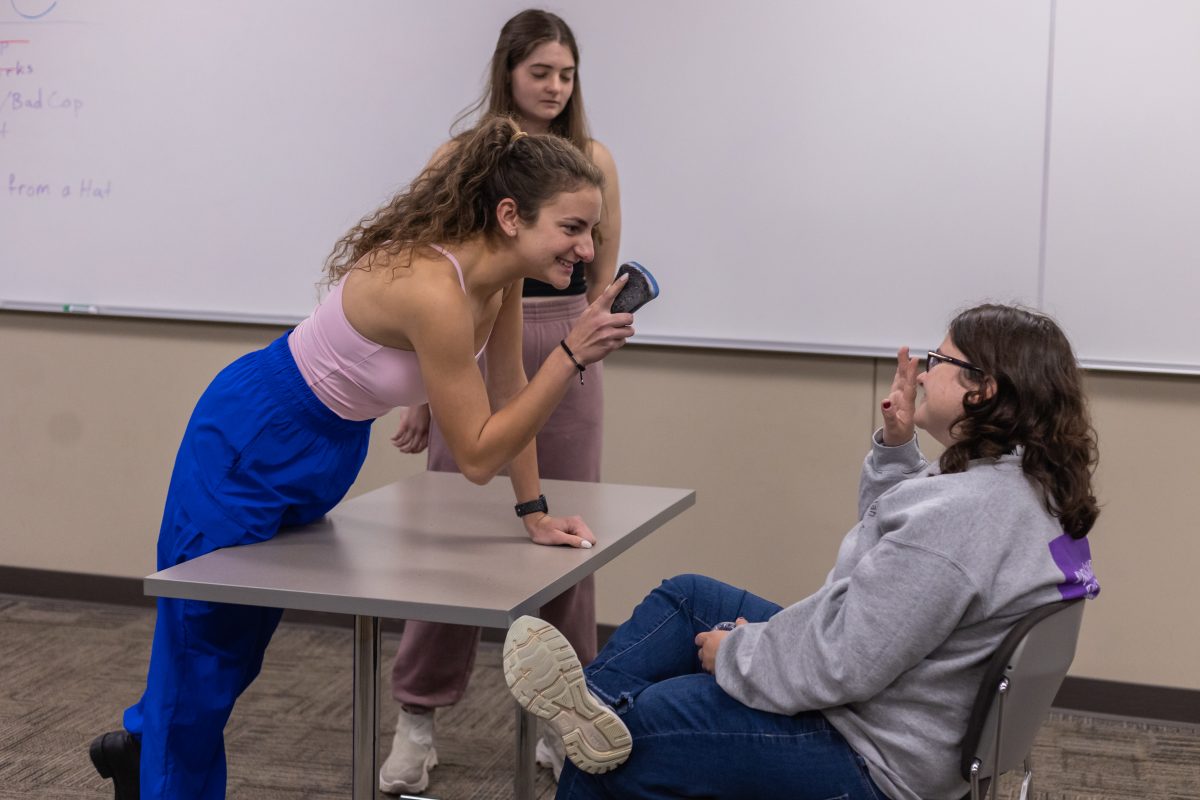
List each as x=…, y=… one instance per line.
x=91, y=410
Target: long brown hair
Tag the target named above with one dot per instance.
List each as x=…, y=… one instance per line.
x=518, y=38
x=1037, y=403
x=455, y=198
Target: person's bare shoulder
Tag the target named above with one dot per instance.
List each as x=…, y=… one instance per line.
x=401, y=293
x=602, y=157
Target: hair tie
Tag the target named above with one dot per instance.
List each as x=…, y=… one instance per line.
x=517, y=136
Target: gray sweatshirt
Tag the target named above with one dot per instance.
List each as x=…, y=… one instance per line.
x=894, y=645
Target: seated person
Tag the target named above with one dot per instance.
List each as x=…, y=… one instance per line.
x=863, y=689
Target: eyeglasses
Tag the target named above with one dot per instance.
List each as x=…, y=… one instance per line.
x=936, y=358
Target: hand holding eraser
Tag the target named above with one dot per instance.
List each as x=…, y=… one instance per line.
x=640, y=288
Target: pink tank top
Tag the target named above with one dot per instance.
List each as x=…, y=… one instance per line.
x=355, y=377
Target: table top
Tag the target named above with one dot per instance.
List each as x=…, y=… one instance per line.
x=432, y=547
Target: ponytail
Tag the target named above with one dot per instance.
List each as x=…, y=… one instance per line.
x=455, y=198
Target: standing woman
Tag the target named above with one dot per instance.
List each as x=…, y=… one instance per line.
x=419, y=290
x=534, y=79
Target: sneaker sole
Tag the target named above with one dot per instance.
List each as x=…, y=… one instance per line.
x=396, y=787
x=545, y=676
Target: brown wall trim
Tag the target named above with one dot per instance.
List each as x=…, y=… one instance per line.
x=73, y=586
x=1088, y=695
x=1120, y=699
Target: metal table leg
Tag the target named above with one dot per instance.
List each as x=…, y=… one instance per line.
x=526, y=727
x=366, y=706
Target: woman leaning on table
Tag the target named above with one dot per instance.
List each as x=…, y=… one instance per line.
x=420, y=289
x=535, y=79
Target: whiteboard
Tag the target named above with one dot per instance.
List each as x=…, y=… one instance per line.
x=840, y=176
x=815, y=176
x=204, y=156
x=1123, y=244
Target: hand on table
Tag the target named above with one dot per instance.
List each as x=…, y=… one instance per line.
x=548, y=530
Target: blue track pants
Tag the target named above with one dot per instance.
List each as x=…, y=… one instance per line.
x=260, y=452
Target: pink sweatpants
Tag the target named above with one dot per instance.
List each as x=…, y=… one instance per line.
x=434, y=660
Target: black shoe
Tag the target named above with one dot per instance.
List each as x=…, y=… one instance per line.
x=118, y=755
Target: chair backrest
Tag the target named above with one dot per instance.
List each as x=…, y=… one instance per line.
x=1034, y=658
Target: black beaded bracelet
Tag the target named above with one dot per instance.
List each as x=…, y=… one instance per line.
x=574, y=360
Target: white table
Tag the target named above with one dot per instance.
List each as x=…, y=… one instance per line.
x=431, y=547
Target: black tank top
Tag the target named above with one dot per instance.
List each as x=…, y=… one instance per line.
x=578, y=285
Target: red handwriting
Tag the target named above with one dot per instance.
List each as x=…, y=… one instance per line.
x=7, y=43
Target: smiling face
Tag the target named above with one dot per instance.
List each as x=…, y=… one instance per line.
x=542, y=84
x=945, y=386
x=560, y=236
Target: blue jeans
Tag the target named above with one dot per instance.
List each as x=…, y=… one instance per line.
x=690, y=738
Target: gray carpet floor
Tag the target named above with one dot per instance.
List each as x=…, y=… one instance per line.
x=67, y=670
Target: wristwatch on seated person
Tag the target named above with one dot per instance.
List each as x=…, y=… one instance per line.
x=530, y=506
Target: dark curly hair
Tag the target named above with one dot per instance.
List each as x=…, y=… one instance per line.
x=455, y=198
x=1037, y=403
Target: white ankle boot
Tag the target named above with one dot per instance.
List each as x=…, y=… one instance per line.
x=413, y=755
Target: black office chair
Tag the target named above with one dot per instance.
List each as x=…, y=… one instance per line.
x=1015, y=696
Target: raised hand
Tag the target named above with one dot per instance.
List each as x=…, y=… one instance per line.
x=901, y=403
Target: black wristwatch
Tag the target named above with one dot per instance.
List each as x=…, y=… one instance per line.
x=532, y=505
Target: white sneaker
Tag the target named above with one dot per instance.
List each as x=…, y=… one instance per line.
x=413, y=755
x=550, y=752
x=545, y=676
